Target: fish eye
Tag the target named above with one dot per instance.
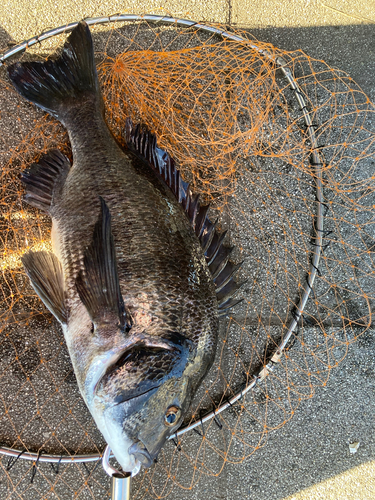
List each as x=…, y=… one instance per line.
x=172, y=415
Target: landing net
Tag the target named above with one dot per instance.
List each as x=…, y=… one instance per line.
x=297, y=197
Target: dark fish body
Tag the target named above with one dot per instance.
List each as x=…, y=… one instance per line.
x=128, y=278
x=164, y=279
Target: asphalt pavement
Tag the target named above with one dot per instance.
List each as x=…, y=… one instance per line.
x=309, y=457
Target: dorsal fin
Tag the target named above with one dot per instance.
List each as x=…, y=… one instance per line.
x=143, y=144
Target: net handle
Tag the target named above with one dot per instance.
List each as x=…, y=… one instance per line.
x=316, y=165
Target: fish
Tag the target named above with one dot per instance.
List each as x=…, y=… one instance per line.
x=138, y=274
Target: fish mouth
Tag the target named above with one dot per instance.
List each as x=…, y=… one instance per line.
x=140, y=453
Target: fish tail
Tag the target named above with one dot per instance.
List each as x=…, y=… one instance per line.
x=55, y=85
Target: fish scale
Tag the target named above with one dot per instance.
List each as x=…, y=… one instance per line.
x=130, y=276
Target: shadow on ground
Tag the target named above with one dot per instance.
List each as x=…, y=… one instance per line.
x=349, y=48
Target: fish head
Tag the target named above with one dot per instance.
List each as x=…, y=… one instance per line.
x=142, y=400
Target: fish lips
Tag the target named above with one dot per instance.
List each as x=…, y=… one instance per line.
x=122, y=441
x=141, y=454
x=147, y=453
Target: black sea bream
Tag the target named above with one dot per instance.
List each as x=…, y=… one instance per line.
x=138, y=275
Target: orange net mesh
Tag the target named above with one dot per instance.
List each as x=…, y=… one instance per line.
x=229, y=117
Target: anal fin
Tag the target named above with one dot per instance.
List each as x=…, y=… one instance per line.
x=47, y=278
x=44, y=179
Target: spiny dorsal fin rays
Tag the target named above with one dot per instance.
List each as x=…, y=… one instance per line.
x=219, y=262
x=228, y=291
x=201, y=219
x=144, y=145
x=214, y=247
x=226, y=274
x=98, y=284
x=224, y=309
x=208, y=234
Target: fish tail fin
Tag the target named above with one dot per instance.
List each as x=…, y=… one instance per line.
x=56, y=84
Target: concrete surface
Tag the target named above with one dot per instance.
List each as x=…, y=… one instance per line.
x=244, y=13
x=309, y=457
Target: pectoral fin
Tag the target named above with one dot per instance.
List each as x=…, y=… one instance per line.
x=98, y=283
x=47, y=278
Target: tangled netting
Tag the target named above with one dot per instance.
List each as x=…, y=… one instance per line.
x=230, y=119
